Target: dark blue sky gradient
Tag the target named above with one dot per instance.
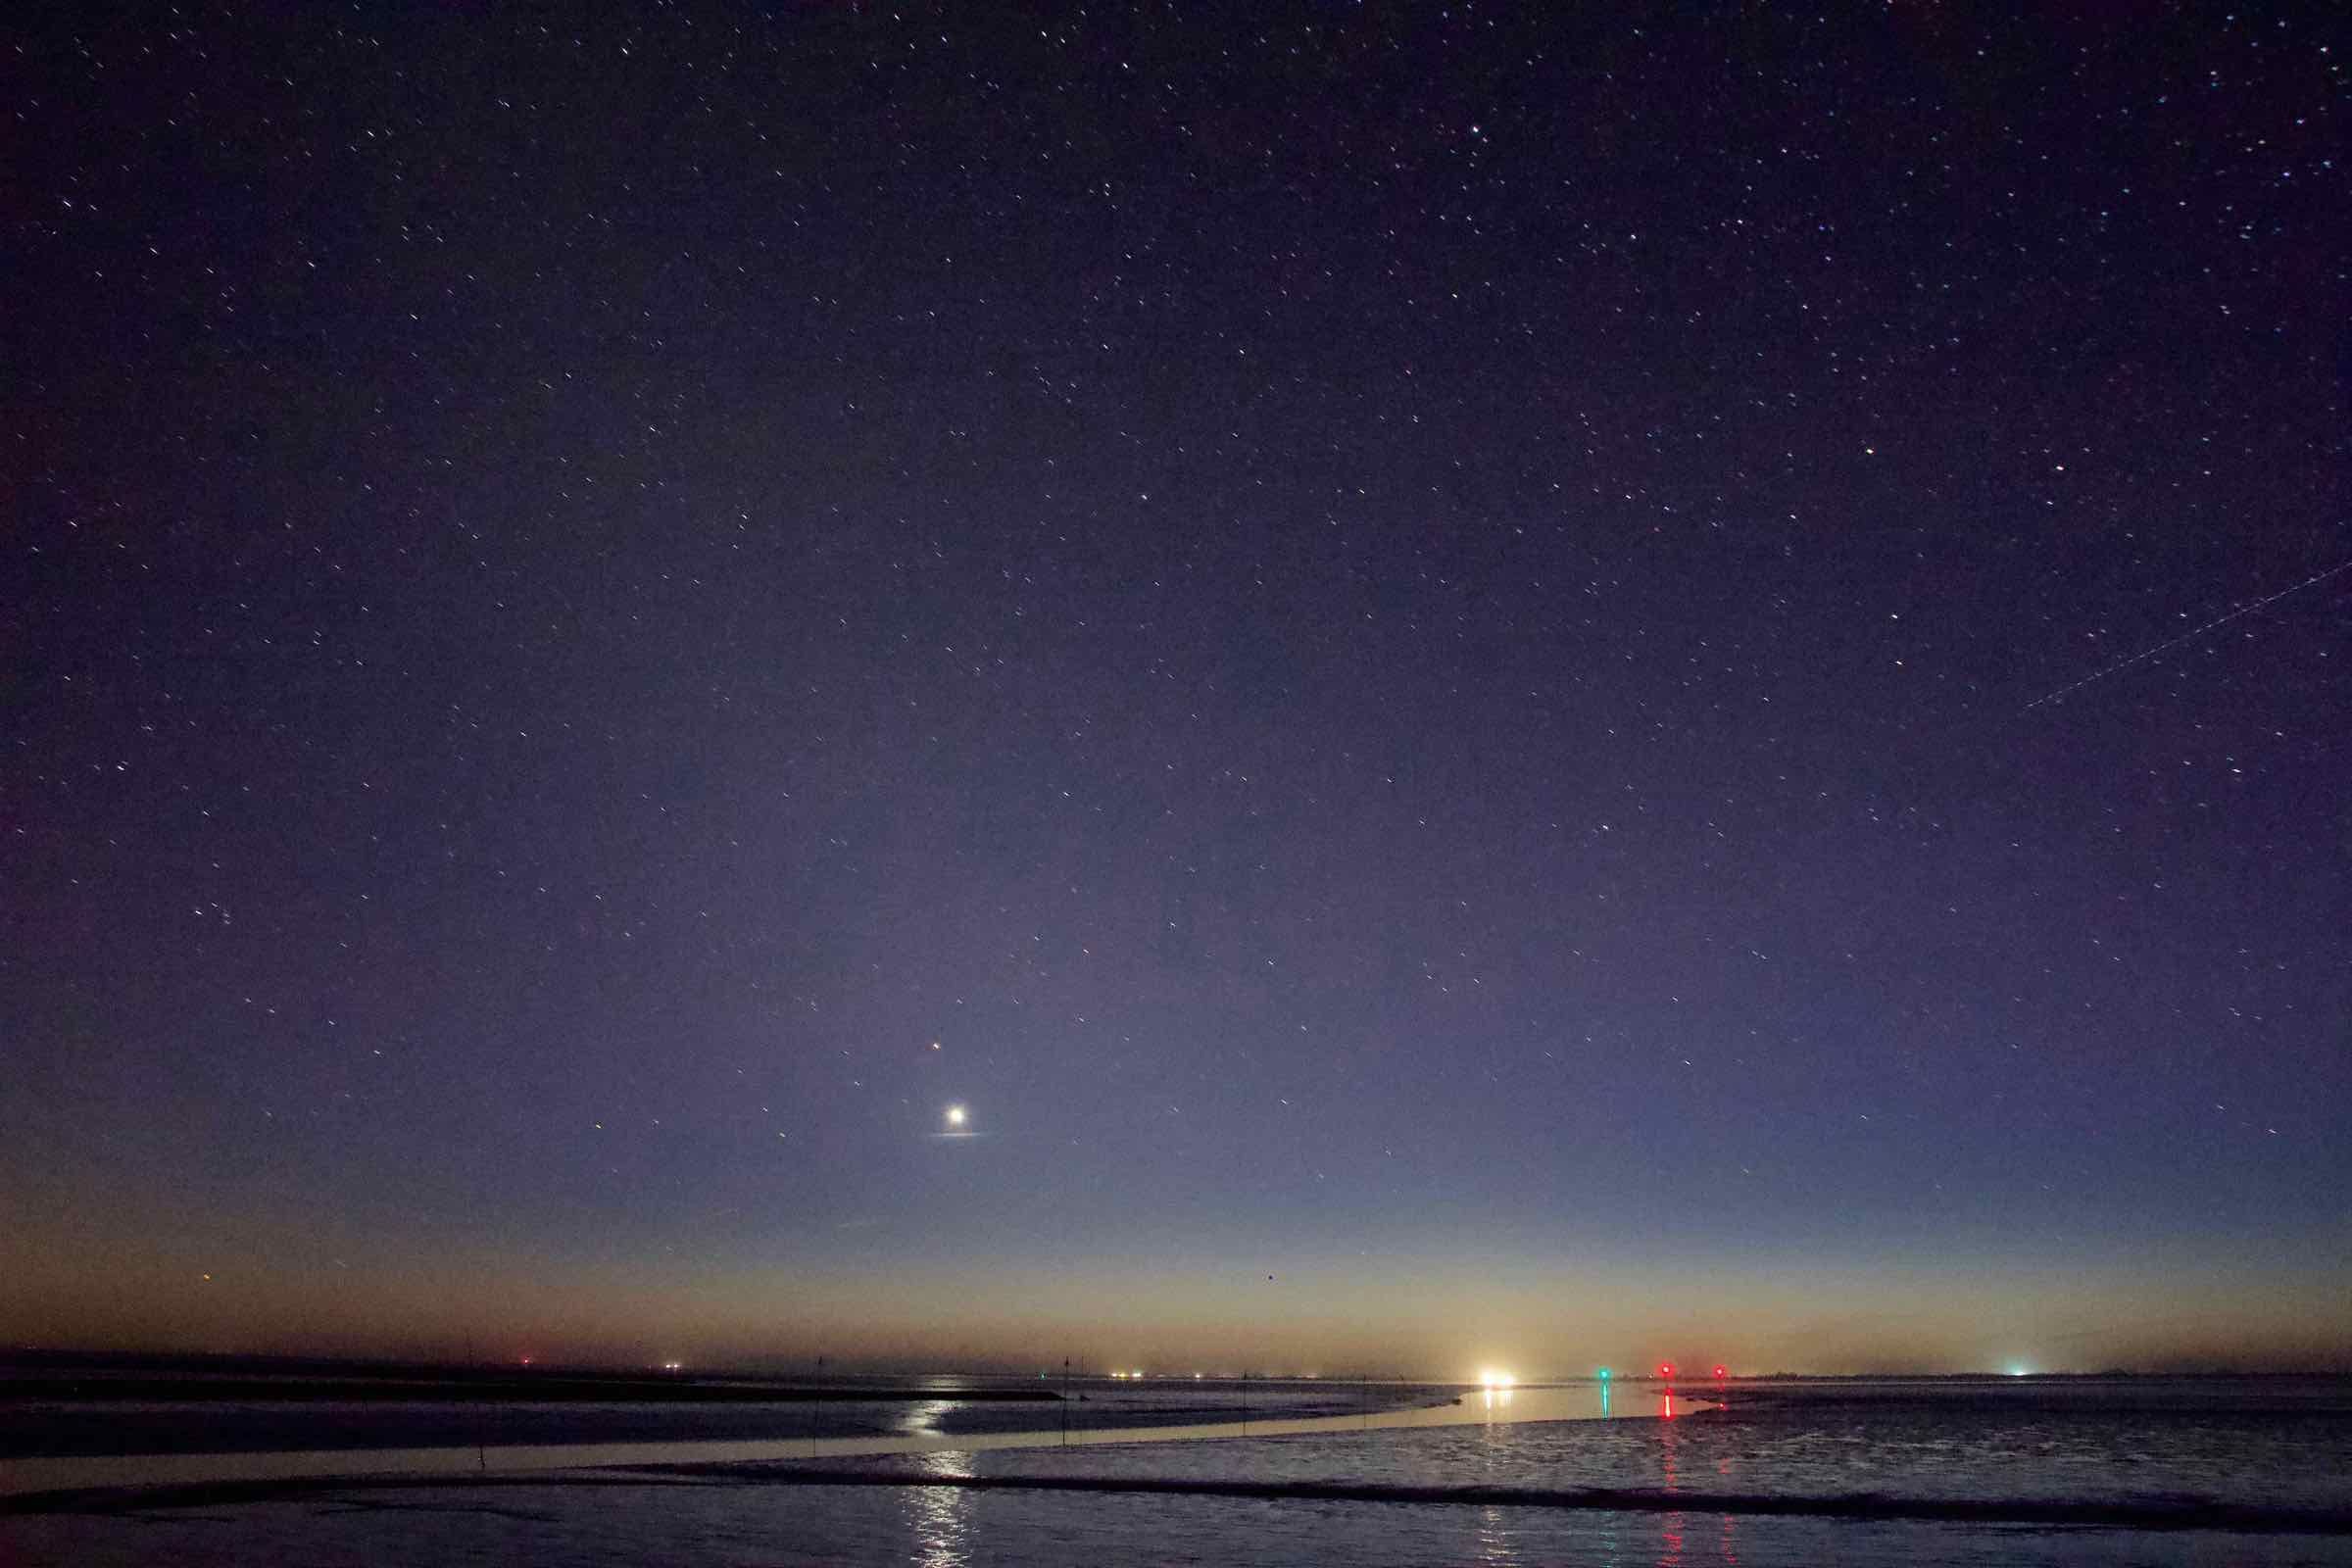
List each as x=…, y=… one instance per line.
x=1412, y=655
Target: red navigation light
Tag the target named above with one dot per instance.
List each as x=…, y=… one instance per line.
x=1719, y=1371
x=1665, y=1369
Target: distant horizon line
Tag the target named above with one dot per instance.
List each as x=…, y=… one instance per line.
x=782, y=1371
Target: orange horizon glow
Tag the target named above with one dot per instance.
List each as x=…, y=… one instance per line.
x=1435, y=1319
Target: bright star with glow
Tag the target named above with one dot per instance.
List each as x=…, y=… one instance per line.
x=957, y=1117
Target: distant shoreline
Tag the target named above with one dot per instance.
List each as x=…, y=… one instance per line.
x=501, y=1390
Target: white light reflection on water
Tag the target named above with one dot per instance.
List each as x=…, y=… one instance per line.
x=1495, y=1538
x=942, y=1516
x=922, y=1420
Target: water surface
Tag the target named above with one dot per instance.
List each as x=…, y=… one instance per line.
x=1934, y=1474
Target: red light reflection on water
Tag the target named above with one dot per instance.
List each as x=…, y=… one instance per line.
x=1670, y=1524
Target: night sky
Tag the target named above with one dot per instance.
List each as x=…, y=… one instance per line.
x=1489, y=688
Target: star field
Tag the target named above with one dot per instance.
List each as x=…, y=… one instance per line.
x=1669, y=684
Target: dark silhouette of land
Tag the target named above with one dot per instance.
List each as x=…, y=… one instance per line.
x=85, y=1378
x=473, y=1391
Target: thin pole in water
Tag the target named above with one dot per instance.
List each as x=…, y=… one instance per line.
x=481, y=1452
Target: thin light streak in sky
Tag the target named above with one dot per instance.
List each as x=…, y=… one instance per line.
x=2194, y=631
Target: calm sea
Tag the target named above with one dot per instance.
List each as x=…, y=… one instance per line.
x=2164, y=1471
